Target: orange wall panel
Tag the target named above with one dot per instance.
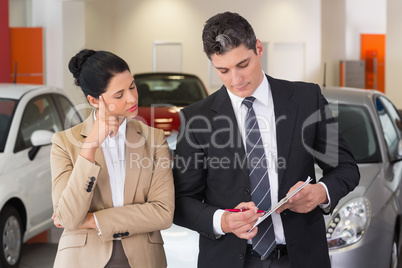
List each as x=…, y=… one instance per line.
x=27, y=52
x=372, y=49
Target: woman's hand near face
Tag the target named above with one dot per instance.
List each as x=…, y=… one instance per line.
x=104, y=125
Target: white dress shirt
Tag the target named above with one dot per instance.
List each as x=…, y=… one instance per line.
x=264, y=110
x=114, y=151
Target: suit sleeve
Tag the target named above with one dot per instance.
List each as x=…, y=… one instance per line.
x=156, y=213
x=332, y=153
x=72, y=184
x=190, y=182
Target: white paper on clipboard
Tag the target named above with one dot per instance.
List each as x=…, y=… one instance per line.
x=280, y=203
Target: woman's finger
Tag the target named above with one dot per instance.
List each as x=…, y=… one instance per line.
x=102, y=108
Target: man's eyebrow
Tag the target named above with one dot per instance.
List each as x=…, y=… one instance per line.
x=243, y=61
x=240, y=63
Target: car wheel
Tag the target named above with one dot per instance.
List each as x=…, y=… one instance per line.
x=11, y=237
x=394, y=252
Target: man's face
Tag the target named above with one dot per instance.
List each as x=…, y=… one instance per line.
x=240, y=69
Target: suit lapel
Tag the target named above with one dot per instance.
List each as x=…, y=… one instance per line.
x=285, y=117
x=135, y=143
x=103, y=184
x=225, y=124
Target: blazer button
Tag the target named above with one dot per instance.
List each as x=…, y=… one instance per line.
x=247, y=191
x=115, y=236
x=91, y=183
x=241, y=256
x=88, y=190
x=92, y=178
x=126, y=233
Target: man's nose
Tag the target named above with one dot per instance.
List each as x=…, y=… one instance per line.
x=236, y=77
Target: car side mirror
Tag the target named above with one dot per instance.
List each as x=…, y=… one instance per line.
x=400, y=149
x=41, y=137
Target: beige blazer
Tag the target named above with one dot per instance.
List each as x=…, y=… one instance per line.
x=79, y=187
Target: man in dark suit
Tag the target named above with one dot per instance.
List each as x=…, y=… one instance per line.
x=287, y=127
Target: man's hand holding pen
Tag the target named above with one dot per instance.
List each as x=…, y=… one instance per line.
x=240, y=223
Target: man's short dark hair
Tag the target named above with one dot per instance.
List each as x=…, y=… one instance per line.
x=226, y=31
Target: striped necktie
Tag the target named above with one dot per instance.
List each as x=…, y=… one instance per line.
x=264, y=241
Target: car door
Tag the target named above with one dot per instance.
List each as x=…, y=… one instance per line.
x=390, y=122
x=40, y=113
x=391, y=125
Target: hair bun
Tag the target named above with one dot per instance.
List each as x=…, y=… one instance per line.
x=76, y=62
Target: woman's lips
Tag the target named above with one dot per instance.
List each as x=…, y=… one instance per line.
x=132, y=109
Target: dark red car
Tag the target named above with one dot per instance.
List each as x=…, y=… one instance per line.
x=162, y=95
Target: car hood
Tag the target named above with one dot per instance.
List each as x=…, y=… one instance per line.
x=162, y=117
x=368, y=172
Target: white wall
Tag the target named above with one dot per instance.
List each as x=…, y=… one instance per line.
x=343, y=22
x=19, y=13
x=64, y=31
x=363, y=17
x=333, y=21
x=130, y=28
x=48, y=14
x=393, y=67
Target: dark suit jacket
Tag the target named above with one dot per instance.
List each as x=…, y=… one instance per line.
x=210, y=174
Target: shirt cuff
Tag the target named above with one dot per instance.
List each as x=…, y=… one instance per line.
x=97, y=225
x=326, y=207
x=217, y=227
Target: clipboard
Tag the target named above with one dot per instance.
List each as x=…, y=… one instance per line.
x=280, y=203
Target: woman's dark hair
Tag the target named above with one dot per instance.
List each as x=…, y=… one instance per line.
x=226, y=31
x=93, y=70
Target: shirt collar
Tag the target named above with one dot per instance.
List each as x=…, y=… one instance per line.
x=261, y=94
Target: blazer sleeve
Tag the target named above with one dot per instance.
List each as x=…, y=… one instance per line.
x=190, y=176
x=333, y=155
x=72, y=183
x=156, y=213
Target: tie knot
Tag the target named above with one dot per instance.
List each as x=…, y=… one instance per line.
x=248, y=102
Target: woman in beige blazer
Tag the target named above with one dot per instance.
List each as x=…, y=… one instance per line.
x=112, y=181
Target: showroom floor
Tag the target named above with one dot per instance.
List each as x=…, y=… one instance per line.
x=41, y=255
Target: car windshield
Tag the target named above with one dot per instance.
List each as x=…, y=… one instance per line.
x=358, y=130
x=174, y=90
x=7, y=108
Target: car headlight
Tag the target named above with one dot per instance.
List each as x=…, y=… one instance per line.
x=349, y=224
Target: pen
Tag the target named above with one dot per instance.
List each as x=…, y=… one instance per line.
x=241, y=210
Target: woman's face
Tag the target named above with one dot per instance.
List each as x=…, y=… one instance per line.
x=121, y=96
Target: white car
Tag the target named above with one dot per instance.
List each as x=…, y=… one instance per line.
x=29, y=115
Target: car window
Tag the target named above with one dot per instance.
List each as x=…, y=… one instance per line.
x=390, y=123
x=173, y=90
x=7, y=108
x=357, y=128
x=67, y=111
x=39, y=114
